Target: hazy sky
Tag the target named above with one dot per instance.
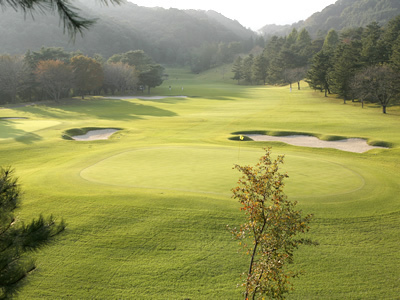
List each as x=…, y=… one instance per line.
x=250, y=13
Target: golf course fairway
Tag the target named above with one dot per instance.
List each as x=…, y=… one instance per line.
x=147, y=208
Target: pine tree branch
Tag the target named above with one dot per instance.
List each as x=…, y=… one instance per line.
x=69, y=15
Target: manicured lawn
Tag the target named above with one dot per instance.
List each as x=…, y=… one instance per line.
x=147, y=209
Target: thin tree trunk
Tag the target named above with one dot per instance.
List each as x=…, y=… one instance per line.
x=246, y=295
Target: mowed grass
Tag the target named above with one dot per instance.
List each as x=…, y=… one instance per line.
x=178, y=168
x=147, y=209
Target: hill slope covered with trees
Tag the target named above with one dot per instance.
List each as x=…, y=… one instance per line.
x=343, y=14
x=167, y=35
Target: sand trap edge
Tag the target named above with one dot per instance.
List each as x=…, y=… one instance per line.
x=89, y=133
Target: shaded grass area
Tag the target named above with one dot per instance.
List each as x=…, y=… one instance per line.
x=148, y=221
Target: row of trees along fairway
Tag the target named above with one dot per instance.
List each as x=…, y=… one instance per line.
x=57, y=74
x=356, y=63
x=361, y=63
x=283, y=60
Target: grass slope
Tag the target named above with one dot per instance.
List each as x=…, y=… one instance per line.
x=147, y=209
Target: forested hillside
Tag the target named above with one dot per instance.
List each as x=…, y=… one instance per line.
x=342, y=14
x=357, y=63
x=166, y=35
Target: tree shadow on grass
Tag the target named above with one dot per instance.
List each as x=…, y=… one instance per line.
x=99, y=109
x=8, y=131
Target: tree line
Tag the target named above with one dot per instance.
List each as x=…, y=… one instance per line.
x=54, y=73
x=358, y=63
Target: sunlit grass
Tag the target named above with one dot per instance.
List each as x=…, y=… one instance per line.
x=147, y=209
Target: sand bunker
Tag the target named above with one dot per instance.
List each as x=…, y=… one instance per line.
x=159, y=97
x=92, y=135
x=145, y=97
x=351, y=145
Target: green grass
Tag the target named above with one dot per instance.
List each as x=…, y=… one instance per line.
x=147, y=209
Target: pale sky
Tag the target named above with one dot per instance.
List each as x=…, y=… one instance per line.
x=250, y=13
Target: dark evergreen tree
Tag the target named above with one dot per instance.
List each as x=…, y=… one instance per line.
x=152, y=77
x=291, y=38
x=351, y=34
x=318, y=74
x=331, y=41
x=237, y=69
x=260, y=69
x=304, y=47
x=372, y=51
x=346, y=63
x=248, y=68
x=276, y=65
x=395, y=57
x=390, y=35
x=17, y=239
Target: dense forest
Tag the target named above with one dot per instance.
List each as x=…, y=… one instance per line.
x=167, y=35
x=360, y=63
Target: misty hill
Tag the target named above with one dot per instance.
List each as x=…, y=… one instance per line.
x=165, y=34
x=342, y=14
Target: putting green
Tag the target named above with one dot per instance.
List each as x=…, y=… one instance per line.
x=210, y=170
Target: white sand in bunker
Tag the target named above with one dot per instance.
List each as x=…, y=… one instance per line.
x=12, y=118
x=92, y=135
x=145, y=97
x=356, y=145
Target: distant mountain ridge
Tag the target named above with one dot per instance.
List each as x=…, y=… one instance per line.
x=342, y=14
x=162, y=33
x=171, y=35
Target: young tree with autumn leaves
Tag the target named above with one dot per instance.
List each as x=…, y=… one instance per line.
x=272, y=231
